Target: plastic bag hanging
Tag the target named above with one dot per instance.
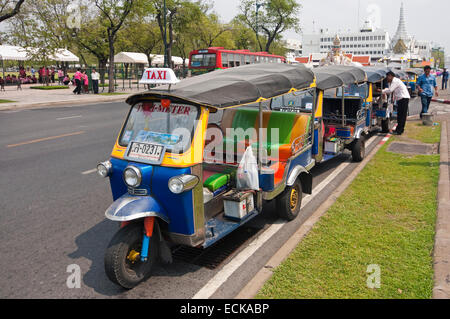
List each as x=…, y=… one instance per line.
x=247, y=173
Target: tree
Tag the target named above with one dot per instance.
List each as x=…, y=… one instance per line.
x=273, y=18
x=9, y=8
x=179, y=14
x=114, y=14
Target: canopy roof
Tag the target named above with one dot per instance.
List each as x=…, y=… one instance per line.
x=131, y=57
x=64, y=55
x=415, y=71
x=376, y=74
x=236, y=86
x=14, y=53
x=329, y=77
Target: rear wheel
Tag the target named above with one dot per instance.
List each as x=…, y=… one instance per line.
x=386, y=125
x=123, y=264
x=358, y=150
x=290, y=201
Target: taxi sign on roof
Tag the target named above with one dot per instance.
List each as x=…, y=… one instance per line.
x=159, y=76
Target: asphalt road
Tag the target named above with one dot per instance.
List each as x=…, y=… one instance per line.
x=53, y=204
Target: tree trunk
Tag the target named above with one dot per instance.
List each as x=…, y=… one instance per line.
x=111, y=65
x=102, y=69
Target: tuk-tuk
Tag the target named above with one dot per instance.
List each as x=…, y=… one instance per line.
x=178, y=169
x=345, y=107
x=382, y=111
x=413, y=75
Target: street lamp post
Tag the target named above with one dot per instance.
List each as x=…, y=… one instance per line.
x=258, y=5
x=166, y=62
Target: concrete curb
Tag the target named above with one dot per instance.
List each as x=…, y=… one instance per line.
x=441, y=101
x=101, y=99
x=253, y=287
x=441, y=254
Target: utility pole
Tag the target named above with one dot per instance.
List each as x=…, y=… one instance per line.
x=166, y=58
x=258, y=5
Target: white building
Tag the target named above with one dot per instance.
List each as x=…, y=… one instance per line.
x=366, y=41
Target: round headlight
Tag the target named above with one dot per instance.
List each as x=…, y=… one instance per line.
x=104, y=169
x=176, y=186
x=132, y=176
x=182, y=183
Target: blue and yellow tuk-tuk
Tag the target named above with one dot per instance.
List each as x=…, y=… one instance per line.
x=345, y=110
x=413, y=75
x=176, y=170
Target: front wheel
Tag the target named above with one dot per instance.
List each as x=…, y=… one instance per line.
x=123, y=264
x=290, y=201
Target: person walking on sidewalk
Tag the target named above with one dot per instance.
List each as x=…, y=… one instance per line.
x=427, y=85
x=95, y=76
x=444, y=79
x=77, y=78
x=400, y=95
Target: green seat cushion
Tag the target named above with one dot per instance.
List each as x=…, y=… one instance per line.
x=217, y=181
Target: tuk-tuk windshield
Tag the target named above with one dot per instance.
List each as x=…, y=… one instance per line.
x=354, y=90
x=150, y=122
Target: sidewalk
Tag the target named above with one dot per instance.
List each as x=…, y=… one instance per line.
x=29, y=98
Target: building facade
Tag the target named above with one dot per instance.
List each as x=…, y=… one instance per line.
x=366, y=41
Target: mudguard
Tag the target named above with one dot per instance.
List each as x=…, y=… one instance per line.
x=128, y=208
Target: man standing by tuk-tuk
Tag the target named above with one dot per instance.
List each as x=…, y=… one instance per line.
x=401, y=97
x=427, y=86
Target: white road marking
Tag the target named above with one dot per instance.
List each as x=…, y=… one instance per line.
x=69, y=117
x=222, y=276
x=90, y=171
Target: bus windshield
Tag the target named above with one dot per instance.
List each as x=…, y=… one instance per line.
x=203, y=60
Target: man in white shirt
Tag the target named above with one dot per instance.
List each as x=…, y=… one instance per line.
x=400, y=95
x=95, y=76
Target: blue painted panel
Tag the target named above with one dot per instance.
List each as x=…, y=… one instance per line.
x=218, y=228
x=155, y=179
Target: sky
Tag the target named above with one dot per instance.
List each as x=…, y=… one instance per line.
x=343, y=16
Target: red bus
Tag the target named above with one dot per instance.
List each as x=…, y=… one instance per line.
x=202, y=61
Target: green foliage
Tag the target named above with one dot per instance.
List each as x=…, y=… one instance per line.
x=271, y=19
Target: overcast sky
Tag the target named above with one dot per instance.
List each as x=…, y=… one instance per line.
x=343, y=15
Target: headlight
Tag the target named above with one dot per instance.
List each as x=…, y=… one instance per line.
x=132, y=176
x=104, y=169
x=182, y=183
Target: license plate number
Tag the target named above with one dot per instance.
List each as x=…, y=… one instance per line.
x=146, y=152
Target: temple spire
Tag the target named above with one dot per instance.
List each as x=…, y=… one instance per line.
x=401, y=33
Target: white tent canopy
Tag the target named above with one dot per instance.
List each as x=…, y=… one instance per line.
x=64, y=55
x=15, y=53
x=131, y=57
x=159, y=59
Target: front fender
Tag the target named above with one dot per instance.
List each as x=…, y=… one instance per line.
x=128, y=208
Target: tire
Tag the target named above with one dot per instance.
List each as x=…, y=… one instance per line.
x=119, y=268
x=290, y=201
x=386, y=125
x=358, y=150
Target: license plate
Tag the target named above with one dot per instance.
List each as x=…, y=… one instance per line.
x=152, y=153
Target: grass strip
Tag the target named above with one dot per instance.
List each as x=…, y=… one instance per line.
x=387, y=218
x=46, y=88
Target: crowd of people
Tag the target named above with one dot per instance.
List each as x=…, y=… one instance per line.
x=50, y=75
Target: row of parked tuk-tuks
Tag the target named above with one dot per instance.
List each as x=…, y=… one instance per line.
x=184, y=149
